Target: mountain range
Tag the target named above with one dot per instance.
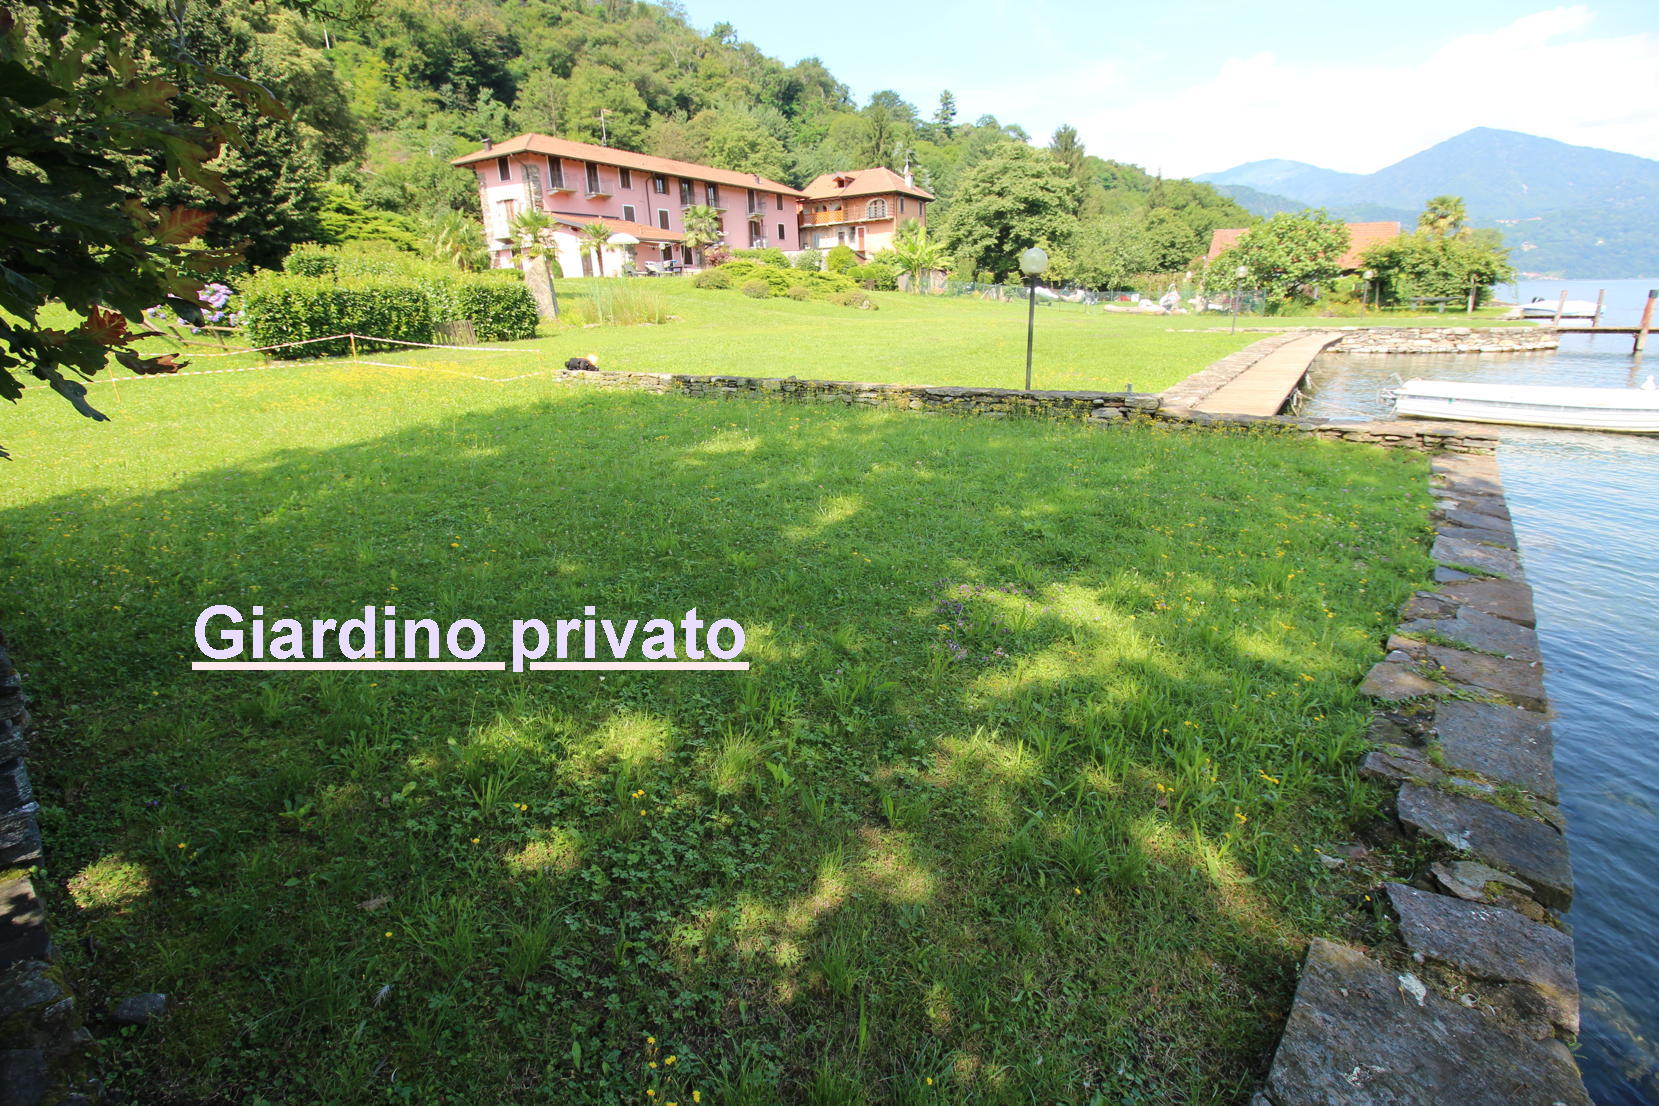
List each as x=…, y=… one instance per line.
x=1565, y=211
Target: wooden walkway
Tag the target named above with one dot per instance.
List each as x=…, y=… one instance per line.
x=1265, y=387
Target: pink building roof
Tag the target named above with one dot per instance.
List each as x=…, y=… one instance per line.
x=863, y=182
x=627, y=159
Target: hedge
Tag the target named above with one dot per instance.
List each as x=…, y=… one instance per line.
x=281, y=307
x=284, y=307
x=712, y=278
x=501, y=311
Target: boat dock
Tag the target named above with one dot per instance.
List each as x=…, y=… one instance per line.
x=1266, y=386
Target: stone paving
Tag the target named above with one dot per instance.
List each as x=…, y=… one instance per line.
x=1476, y=1002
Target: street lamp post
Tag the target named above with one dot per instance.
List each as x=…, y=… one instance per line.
x=1033, y=263
x=1238, y=291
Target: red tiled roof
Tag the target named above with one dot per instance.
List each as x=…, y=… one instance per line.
x=643, y=231
x=606, y=155
x=1360, y=237
x=863, y=182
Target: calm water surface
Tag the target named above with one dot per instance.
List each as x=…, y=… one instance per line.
x=1586, y=510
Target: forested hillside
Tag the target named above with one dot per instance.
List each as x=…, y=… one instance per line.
x=382, y=100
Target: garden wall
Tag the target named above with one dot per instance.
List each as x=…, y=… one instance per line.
x=42, y=1041
x=1447, y=339
x=1096, y=408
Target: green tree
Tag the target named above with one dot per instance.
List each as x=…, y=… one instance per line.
x=1443, y=216
x=1067, y=149
x=592, y=90
x=1429, y=263
x=944, y=116
x=272, y=178
x=1171, y=242
x=592, y=240
x=703, y=227
x=1290, y=253
x=85, y=81
x=1109, y=252
x=738, y=141
x=915, y=252
x=1017, y=197
x=453, y=238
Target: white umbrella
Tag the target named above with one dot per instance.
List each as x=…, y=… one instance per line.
x=622, y=238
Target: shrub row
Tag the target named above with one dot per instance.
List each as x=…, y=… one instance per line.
x=777, y=280
x=281, y=307
x=290, y=307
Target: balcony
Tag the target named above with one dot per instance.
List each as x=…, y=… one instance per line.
x=757, y=213
x=818, y=218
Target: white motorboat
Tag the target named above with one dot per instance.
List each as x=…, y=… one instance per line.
x=1622, y=410
x=1541, y=308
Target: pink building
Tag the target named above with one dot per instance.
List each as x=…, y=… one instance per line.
x=637, y=194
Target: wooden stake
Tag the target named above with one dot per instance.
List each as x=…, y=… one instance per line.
x=1560, y=307
x=1601, y=294
x=1647, y=317
x=352, y=338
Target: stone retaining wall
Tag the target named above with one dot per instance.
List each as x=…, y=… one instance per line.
x=1448, y=339
x=995, y=402
x=1475, y=1001
x=43, y=1043
x=1096, y=408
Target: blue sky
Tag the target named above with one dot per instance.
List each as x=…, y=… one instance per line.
x=1196, y=87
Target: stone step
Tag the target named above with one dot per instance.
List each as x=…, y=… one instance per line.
x=1530, y=849
x=1492, y=943
x=1359, y=1035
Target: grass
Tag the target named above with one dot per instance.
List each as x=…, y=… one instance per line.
x=1019, y=803
x=909, y=340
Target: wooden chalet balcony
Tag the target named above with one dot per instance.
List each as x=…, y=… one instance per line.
x=835, y=215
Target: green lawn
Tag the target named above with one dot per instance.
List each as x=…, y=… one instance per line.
x=1019, y=802
x=909, y=340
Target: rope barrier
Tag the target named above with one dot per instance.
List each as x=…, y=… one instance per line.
x=332, y=362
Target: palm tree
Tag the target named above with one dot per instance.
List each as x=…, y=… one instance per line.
x=455, y=239
x=702, y=226
x=916, y=252
x=593, y=240
x=1443, y=216
x=534, y=231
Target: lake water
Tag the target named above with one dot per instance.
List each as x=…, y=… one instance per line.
x=1621, y=307
x=1587, y=516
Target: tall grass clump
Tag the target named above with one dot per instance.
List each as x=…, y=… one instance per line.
x=619, y=302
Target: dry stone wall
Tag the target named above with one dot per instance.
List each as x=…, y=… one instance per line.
x=43, y=1044
x=1448, y=339
x=1096, y=408
x=1478, y=999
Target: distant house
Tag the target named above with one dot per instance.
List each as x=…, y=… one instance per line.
x=861, y=209
x=1360, y=237
x=637, y=194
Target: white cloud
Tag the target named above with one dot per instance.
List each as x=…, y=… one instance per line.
x=1542, y=73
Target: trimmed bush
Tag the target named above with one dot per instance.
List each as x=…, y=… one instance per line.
x=712, y=278
x=840, y=259
x=809, y=261
x=858, y=299
x=799, y=292
x=757, y=289
x=765, y=255
x=500, y=311
x=826, y=283
x=281, y=307
x=778, y=280
x=876, y=276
